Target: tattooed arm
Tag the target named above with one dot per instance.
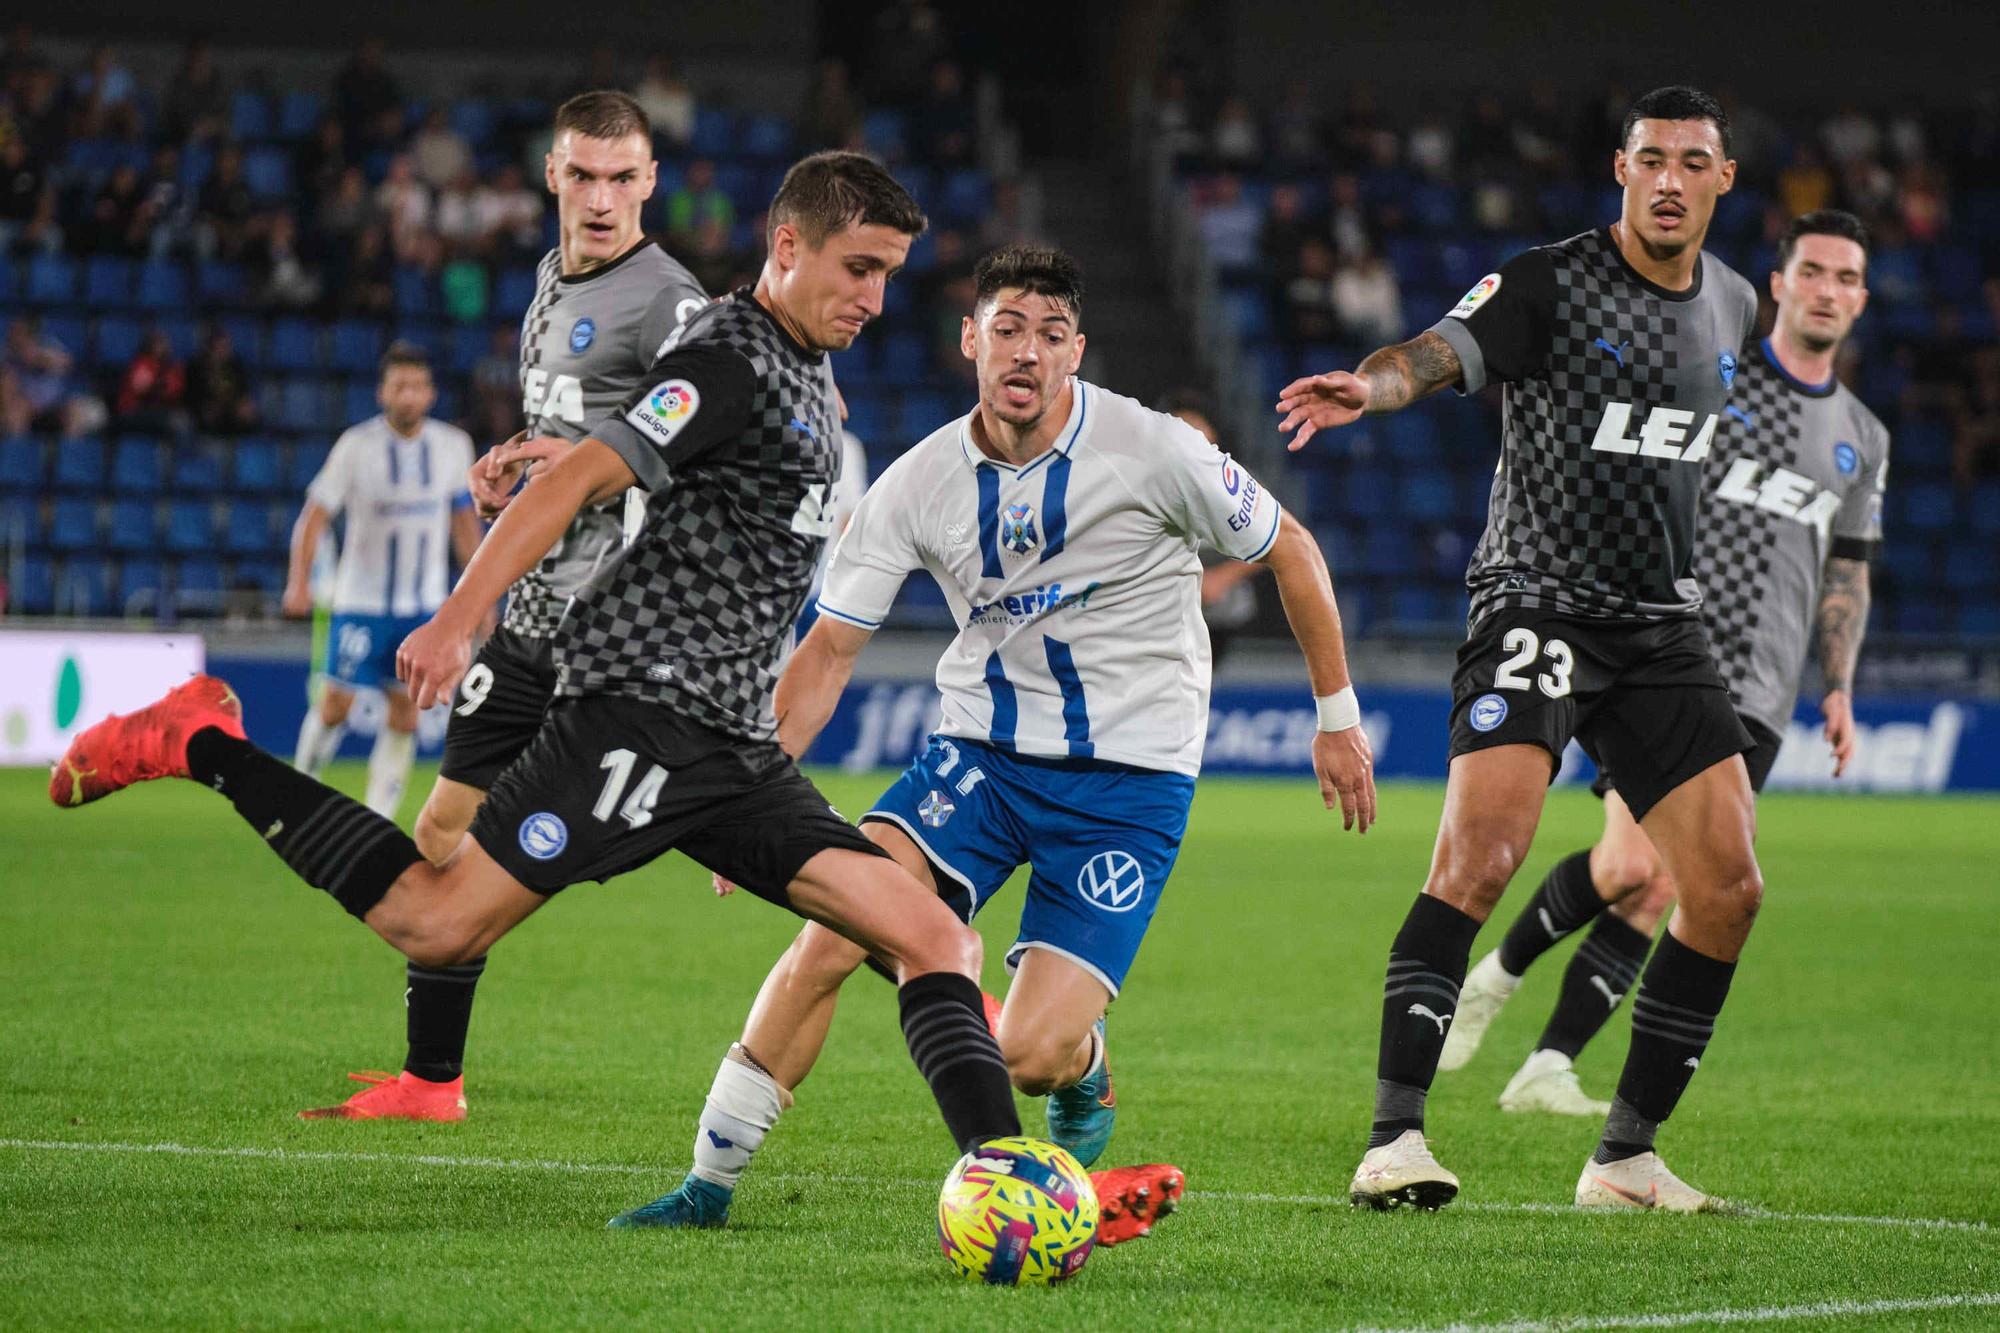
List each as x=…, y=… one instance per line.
x=1842, y=620
x=1391, y=378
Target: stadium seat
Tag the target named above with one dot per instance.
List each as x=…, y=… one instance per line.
x=905, y=360
x=294, y=344
x=299, y=114
x=34, y=592
x=416, y=295
x=162, y=285
x=303, y=405
x=79, y=464
x=1247, y=310
x=250, y=117
x=198, y=586
x=1981, y=620
x=51, y=280
x=72, y=332
x=140, y=582
x=475, y=119
x=1986, y=509
x=257, y=467
x=108, y=282
x=307, y=460
x=464, y=345
x=767, y=137
x=358, y=401
x=190, y=526
x=866, y=416
x=10, y=281
x=20, y=523
x=246, y=336
x=83, y=586
x=118, y=339
x=73, y=524
x=267, y=170
x=20, y=464
x=134, y=525
x=135, y=466
x=1968, y=566
x=714, y=128
x=968, y=194
x=198, y=468
x=1390, y=550
x=266, y=576
x=886, y=133
x=513, y=290
x=1426, y=496
x=355, y=345
x=1928, y=507
x=250, y=528
x=218, y=283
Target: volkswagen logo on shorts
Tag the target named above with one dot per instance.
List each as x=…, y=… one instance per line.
x=543, y=836
x=1112, y=881
x=1017, y=529
x=1487, y=712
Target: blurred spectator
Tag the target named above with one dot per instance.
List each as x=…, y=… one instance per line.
x=909, y=38
x=226, y=209
x=1286, y=228
x=367, y=98
x=1296, y=140
x=37, y=387
x=1921, y=204
x=1347, y=220
x=457, y=219
x=1851, y=135
x=115, y=225
x=1367, y=299
x=510, y=214
x=667, y=101
x=946, y=127
x=1432, y=146
x=345, y=211
x=168, y=210
x=1006, y=219
x=284, y=280
x=830, y=114
x=1805, y=184
x=405, y=204
x=706, y=254
x=439, y=153
x=103, y=95
x=600, y=70
x=218, y=389
x=1230, y=224
x=1310, y=316
x=27, y=200
x=1173, y=115
x=152, y=389
x=1236, y=142
x=197, y=105
x=696, y=203
x=323, y=159
x=365, y=280
x=496, y=387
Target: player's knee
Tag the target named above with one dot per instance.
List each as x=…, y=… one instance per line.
x=441, y=945
x=1035, y=1062
x=1622, y=870
x=820, y=960
x=1476, y=873
x=334, y=705
x=437, y=839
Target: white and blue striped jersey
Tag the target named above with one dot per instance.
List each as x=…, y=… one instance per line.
x=398, y=496
x=1074, y=580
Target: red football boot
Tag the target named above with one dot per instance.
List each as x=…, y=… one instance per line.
x=992, y=1013
x=1131, y=1198
x=401, y=1096
x=137, y=747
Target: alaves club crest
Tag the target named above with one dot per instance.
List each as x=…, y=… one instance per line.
x=1726, y=363
x=1017, y=529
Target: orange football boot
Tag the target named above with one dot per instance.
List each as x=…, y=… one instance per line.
x=401, y=1096
x=141, y=746
x=992, y=1013
x=1131, y=1198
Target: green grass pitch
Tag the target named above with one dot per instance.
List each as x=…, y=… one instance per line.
x=167, y=983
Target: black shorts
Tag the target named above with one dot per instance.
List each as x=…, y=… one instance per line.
x=611, y=783
x=1641, y=696
x=499, y=708
x=1759, y=758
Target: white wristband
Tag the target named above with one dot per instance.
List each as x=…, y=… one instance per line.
x=1338, y=711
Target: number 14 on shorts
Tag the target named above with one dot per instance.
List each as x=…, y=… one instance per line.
x=1526, y=646
x=637, y=811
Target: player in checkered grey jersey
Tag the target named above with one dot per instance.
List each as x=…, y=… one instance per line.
x=1791, y=516
x=1617, y=349
x=660, y=737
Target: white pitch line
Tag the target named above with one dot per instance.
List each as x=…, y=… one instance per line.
x=635, y=1169
x=1762, y=1314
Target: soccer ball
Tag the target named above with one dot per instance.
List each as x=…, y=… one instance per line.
x=1018, y=1212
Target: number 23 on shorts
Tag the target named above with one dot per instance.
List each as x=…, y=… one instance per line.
x=1525, y=646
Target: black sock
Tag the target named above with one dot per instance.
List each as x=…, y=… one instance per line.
x=329, y=841
x=1419, y=996
x=944, y=1023
x=439, y=1001
x=1600, y=972
x=1672, y=1021
x=1567, y=899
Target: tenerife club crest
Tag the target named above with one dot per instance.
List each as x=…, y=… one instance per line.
x=1017, y=529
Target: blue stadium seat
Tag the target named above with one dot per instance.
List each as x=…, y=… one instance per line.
x=79, y=464
x=35, y=592
x=198, y=468
x=294, y=344
x=298, y=114
x=248, y=528
x=20, y=521
x=358, y=401
x=250, y=117
x=246, y=335
x=1414, y=437
x=967, y=195
x=83, y=586
x=162, y=285
x=71, y=331
x=135, y=466
x=141, y=580
x=923, y=411
x=1968, y=566
x=73, y=522
x=183, y=333
x=463, y=347
x=886, y=133
x=768, y=137
x=20, y=464
x=865, y=415
x=51, y=280
x=714, y=128
x=266, y=576
x=1365, y=492
x=356, y=345
x=267, y=170
x=108, y=282
x=217, y=282
x=307, y=460
x=416, y=295
x=1426, y=496
x=10, y=281
x=1986, y=508
x=1247, y=310
x=118, y=339
x=257, y=467
x=198, y=586
x=1927, y=506
x=1920, y=616
x=135, y=525
x=905, y=359
x=304, y=405
x=1390, y=550
x=190, y=526
x=1981, y=619
x=475, y=119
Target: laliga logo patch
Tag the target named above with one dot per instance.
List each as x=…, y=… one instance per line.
x=582, y=334
x=1017, y=529
x=1845, y=458
x=1112, y=881
x=1481, y=292
x=1488, y=711
x=670, y=406
x=1726, y=363
x=543, y=836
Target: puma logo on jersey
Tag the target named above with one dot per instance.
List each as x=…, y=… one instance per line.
x=1661, y=436
x=1782, y=492
x=1611, y=997
x=1425, y=1011
x=1617, y=353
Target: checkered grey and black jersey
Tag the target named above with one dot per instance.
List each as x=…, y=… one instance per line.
x=1614, y=387
x=587, y=342
x=1797, y=476
x=737, y=439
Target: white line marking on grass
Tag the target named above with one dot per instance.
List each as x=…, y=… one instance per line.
x=663, y=1169
x=1763, y=1314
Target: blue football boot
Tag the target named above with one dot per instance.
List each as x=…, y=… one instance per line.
x=697, y=1203
x=1082, y=1116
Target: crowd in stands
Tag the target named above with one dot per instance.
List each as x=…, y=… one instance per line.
x=1336, y=229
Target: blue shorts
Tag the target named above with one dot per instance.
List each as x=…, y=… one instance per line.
x=1100, y=840
x=361, y=649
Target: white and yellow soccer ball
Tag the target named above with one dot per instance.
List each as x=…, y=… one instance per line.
x=1018, y=1212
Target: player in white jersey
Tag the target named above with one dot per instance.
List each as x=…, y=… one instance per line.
x=1063, y=523
x=399, y=479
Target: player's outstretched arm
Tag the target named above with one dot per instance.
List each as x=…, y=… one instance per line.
x=1341, y=757
x=812, y=681
x=305, y=545
x=1843, y=619
x=435, y=656
x=1389, y=379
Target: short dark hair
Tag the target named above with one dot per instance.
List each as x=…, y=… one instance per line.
x=1677, y=102
x=402, y=353
x=828, y=191
x=1821, y=222
x=1041, y=269
x=603, y=114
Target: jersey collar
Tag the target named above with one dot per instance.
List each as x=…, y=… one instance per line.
x=1664, y=293
x=591, y=275
x=1824, y=390
x=1066, y=441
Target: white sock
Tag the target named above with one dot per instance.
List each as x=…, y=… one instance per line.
x=1096, y=1060
x=742, y=1106
x=317, y=743
x=389, y=770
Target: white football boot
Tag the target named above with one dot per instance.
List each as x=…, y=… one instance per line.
x=1399, y=1172
x=1486, y=988
x=1641, y=1182
x=1547, y=1082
